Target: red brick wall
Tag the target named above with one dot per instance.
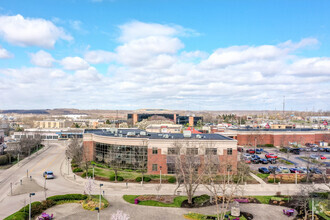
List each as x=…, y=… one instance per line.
x=159, y=159
x=89, y=150
x=280, y=139
x=230, y=159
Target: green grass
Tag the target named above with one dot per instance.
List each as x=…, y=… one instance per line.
x=263, y=199
x=176, y=202
x=197, y=216
x=285, y=161
x=262, y=175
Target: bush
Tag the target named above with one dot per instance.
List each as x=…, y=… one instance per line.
x=90, y=174
x=18, y=216
x=67, y=197
x=36, y=208
x=74, y=165
x=119, y=178
x=145, y=179
x=269, y=145
x=272, y=180
x=284, y=150
x=172, y=179
x=201, y=199
x=77, y=169
x=3, y=160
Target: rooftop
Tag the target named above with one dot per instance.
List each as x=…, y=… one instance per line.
x=138, y=133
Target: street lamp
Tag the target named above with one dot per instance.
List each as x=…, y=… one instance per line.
x=93, y=170
x=68, y=165
x=100, y=195
x=160, y=172
x=31, y=194
x=98, y=213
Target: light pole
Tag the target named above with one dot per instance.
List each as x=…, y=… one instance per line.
x=68, y=165
x=160, y=176
x=98, y=213
x=31, y=194
x=100, y=195
x=93, y=170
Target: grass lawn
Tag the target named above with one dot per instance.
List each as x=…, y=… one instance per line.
x=176, y=203
x=263, y=199
x=285, y=161
x=262, y=175
x=197, y=216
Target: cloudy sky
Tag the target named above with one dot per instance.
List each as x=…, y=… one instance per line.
x=187, y=54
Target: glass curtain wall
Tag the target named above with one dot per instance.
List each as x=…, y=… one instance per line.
x=123, y=156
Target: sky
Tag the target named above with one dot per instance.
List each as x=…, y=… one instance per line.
x=185, y=54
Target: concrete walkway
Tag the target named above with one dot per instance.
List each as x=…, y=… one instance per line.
x=257, y=178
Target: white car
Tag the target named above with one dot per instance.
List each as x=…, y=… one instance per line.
x=284, y=170
x=313, y=156
x=48, y=175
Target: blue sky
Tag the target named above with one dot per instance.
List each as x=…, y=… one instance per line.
x=114, y=54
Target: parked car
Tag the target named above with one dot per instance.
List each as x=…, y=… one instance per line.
x=327, y=149
x=322, y=157
x=250, y=151
x=294, y=170
x=271, y=156
x=258, y=151
x=248, y=161
x=308, y=149
x=247, y=156
x=240, y=149
x=271, y=160
x=321, y=149
x=315, y=170
x=315, y=149
x=302, y=170
x=313, y=156
x=295, y=151
x=48, y=175
x=284, y=170
x=255, y=156
x=263, y=170
x=255, y=160
x=263, y=161
x=273, y=169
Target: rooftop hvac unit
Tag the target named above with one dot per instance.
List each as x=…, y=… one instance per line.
x=166, y=136
x=187, y=134
x=131, y=133
x=143, y=133
x=198, y=136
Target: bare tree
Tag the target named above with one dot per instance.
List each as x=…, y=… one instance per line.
x=226, y=185
x=28, y=144
x=75, y=150
x=188, y=166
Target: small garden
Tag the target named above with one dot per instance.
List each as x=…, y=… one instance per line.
x=197, y=216
x=88, y=203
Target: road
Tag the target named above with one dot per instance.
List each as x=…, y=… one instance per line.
x=50, y=158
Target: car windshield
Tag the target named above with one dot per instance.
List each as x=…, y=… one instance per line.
x=50, y=173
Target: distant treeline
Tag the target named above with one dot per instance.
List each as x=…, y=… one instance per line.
x=36, y=111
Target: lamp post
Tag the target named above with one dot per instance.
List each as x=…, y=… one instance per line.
x=100, y=195
x=93, y=170
x=68, y=165
x=31, y=194
x=160, y=172
x=98, y=213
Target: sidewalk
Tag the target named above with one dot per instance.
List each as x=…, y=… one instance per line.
x=168, y=189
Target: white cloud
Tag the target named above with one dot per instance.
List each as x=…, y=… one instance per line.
x=42, y=59
x=5, y=54
x=89, y=74
x=99, y=56
x=31, y=31
x=74, y=63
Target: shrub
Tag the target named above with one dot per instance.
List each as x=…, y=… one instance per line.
x=74, y=165
x=272, y=180
x=201, y=199
x=284, y=150
x=18, y=216
x=269, y=145
x=77, y=169
x=172, y=179
x=46, y=204
x=3, y=159
x=90, y=174
x=67, y=197
x=119, y=178
x=36, y=208
x=145, y=179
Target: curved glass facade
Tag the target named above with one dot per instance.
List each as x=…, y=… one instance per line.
x=123, y=156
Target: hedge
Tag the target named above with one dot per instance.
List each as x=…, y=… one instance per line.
x=90, y=174
x=3, y=160
x=172, y=179
x=119, y=178
x=145, y=179
x=68, y=197
x=77, y=169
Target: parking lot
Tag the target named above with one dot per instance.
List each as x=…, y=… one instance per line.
x=297, y=160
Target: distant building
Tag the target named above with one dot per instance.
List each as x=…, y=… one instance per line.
x=53, y=124
x=164, y=128
x=49, y=134
x=2, y=136
x=281, y=126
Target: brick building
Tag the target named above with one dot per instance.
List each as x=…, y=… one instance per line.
x=134, y=148
x=281, y=137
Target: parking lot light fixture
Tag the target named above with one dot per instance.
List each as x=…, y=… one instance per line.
x=98, y=213
x=31, y=194
x=100, y=195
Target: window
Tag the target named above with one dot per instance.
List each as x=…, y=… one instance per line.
x=154, y=167
x=173, y=151
x=154, y=150
x=211, y=151
x=192, y=151
x=229, y=151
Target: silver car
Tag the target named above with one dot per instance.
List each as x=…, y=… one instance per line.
x=48, y=175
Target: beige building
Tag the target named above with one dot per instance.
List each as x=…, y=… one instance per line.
x=53, y=124
x=164, y=128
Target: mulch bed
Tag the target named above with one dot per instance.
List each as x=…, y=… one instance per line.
x=168, y=199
